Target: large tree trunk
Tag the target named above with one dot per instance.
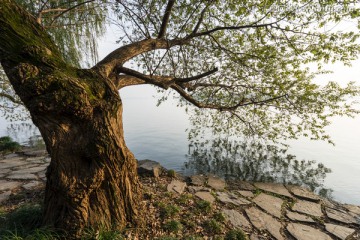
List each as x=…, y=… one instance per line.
x=92, y=180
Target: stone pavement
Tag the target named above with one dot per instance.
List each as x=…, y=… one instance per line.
x=275, y=211
x=22, y=171
x=263, y=210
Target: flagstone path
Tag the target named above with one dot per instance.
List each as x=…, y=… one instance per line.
x=266, y=210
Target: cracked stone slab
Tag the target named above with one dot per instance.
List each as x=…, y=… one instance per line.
x=270, y=204
x=274, y=188
x=205, y=196
x=339, y=231
x=248, y=194
x=4, y=196
x=197, y=180
x=299, y=217
x=340, y=216
x=225, y=197
x=355, y=210
x=310, y=208
x=303, y=193
x=8, y=185
x=176, y=186
x=194, y=189
x=37, y=169
x=4, y=171
x=304, y=232
x=240, y=185
x=31, y=185
x=264, y=221
x=216, y=183
x=12, y=164
x=21, y=176
x=11, y=155
x=236, y=218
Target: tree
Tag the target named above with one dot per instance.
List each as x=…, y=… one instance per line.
x=242, y=63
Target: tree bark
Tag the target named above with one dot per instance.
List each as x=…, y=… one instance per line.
x=92, y=179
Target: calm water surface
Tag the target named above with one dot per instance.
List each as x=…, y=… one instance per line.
x=158, y=133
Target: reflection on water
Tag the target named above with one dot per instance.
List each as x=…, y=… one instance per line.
x=254, y=161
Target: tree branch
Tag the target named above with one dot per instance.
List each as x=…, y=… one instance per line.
x=166, y=18
x=121, y=55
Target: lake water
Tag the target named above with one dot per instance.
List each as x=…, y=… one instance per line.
x=158, y=133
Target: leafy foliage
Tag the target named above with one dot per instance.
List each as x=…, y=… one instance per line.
x=8, y=145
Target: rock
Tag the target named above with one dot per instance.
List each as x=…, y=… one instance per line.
x=8, y=185
x=236, y=219
x=248, y=194
x=263, y=221
x=194, y=189
x=274, y=188
x=11, y=155
x=21, y=176
x=12, y=163
x=149, y=168
x=299, y=217
x=197, y=180
x=303, y=193
x=355, y=210
x=4, y=196
x=339, y=231
x=304, y=232
x=176, y=186
x=35, y=153
x=4, y=171
x=270, y=204
x=205, y=196
x=225, y=197
x=216, y=183
x=254, y=237
x=310, y=208
x=31, y=185
x=240, y=185
x=340, y=216
x=37, y=169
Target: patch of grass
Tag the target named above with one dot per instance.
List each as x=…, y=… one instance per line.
x=173, y=226
x=213, y=227
x=203, y=206
x=184, y=198
x=171, y=173
x=168, y=210
x=102, y=234
x=193, y=238
x=236, y=234
x=219, y=217
x=167, y=238
x=8, y=145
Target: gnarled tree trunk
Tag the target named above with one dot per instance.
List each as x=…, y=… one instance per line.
x=92, y=180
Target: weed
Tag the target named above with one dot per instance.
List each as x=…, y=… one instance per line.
x=171, y=173
x=168, y=210
x=212, y=226
x=235, y=234
x=8, y=145
x=219, y=217
x=102, y=234
x=203, y=206
x=173, y=226
x=184, y=198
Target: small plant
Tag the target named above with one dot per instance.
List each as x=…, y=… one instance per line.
x=219, y=217
x=173, y=226
x=193, y=238
x=212, y=226
x=184, y=198
x=102, y=234
x=168, y=210
x=171, y=173
x=236, y=234
x=8, y=145
x=203, y=206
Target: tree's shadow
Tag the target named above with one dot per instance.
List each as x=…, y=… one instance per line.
x=255, y=162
